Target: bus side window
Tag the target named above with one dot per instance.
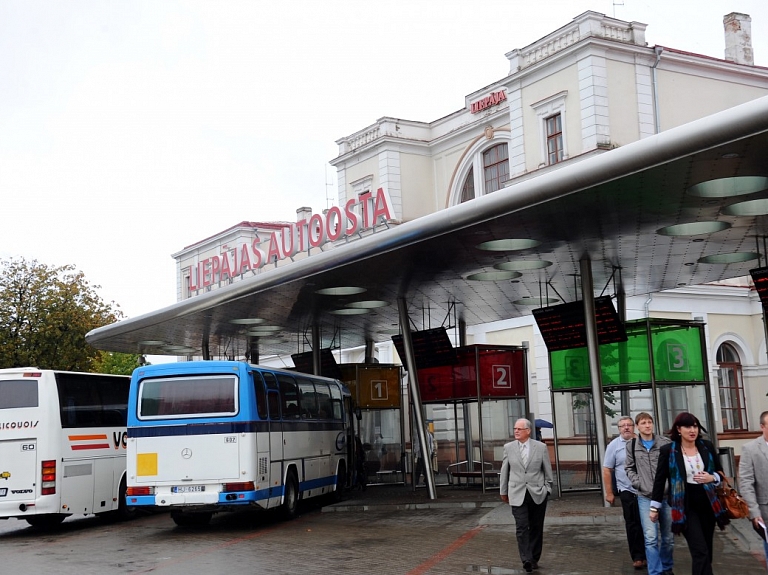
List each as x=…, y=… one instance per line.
x=308, y=399
x=325, y=409
x=260, y=394
x=273, y=395
x=336, y=400
x=289, y=393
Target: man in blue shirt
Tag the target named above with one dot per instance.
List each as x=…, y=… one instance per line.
x=613, y=465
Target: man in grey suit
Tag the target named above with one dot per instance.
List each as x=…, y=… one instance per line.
x=753, y=477
x=525, y=483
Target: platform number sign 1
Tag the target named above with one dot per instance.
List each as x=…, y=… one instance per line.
x=379, y=391
x=677, y=357
x=502, y=376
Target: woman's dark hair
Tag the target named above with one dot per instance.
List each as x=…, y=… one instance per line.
x=684, y=419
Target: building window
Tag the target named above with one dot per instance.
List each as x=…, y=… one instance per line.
x=496, y=167
x=468, y=189
x=731, y=386
x=552, y=129
x=554, y=139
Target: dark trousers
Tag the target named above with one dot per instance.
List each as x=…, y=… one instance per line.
x=699, y=528
x=529, y=528
x=635, y=537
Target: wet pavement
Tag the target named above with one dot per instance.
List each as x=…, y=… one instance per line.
x=384, y=530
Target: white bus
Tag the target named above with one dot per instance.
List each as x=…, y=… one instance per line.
x=62, y=444
x=209, y=436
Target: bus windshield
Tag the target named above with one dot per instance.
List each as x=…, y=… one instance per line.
x=176, y=397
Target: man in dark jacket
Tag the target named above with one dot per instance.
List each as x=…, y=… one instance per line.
x=640, y=464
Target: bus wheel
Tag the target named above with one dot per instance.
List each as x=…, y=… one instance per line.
x=43, y=522
x=341, y=481
x=191, y=519
x=124, y=511
x=290, y=496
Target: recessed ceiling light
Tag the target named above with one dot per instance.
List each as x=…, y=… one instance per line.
x=341, y=290
x=732, y=258
x=521, y=265
x=508, y=245
x=247, y=321
x=689, y=264
x=493, y=276
x=693, y=229
x=264, y=329
x=728, y=187
x=152, y=342
x=535, y=301
x=748, y=208
x=349, y=311
x=730, y=156
x=367, y=304
x=270, y=340
x=179, y=349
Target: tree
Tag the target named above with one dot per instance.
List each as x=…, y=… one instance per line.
x=117, y=363
x=45, y=312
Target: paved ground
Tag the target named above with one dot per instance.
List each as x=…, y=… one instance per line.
x=388, y=530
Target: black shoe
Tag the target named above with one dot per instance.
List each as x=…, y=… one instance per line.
x=534, y=565
x=528, y=566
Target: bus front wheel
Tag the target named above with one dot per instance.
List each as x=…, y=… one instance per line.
x=290, y=496
x=45, y=521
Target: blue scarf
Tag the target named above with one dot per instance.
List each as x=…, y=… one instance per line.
x=677, y=490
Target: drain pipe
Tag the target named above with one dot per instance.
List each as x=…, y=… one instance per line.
x=655, y=87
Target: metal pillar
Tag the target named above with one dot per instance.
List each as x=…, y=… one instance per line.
x=253, y=350
x=466, y=412
x=413, y=380
x=370, y=351
x=316, y=349
x=588, y=295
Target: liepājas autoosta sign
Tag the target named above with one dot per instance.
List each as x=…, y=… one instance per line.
x=359, y=214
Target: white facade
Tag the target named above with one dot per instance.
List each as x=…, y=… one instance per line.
x=602, y=87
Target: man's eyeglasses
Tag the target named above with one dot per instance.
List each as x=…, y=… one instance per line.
x=627, y=425
x=520, y=428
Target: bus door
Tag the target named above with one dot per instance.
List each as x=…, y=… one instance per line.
x=263, y=446
x=275, y=434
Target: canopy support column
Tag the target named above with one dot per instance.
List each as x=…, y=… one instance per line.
x=413, y=380
x=316, y=349
x=588, y=296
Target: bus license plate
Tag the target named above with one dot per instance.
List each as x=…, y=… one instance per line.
x=188, y=489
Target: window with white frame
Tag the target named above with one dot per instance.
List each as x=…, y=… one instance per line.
x=493, y=164
x=551, y=116
x=730, y=384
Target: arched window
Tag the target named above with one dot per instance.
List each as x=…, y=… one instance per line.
x=493, y=167
x=731, y=386
x=468, y=189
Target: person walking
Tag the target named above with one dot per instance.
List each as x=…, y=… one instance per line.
x=421, y=468
x=525, y=483
x=753, y=479
x=641, y=463
x=613, y=469
x=692, y=468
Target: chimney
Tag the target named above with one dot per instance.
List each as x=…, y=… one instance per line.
x=738, y=38
x=303, y=213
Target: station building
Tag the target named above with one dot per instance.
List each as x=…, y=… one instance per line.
x=587, y=88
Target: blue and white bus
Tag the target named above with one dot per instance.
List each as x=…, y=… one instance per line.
x=209, y=436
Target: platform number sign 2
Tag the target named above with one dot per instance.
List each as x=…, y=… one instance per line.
x=379, y=391
x=502, y=376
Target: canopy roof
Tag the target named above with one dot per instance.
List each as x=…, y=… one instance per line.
x=608, y=208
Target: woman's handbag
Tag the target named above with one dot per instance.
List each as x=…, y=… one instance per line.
x=731, y=501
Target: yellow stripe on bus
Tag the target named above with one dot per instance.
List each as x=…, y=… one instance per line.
x=86, y=437
x=146, y=464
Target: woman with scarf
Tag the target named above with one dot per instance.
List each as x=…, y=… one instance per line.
x=691, y=467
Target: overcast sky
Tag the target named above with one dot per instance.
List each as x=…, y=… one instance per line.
x=129, y=130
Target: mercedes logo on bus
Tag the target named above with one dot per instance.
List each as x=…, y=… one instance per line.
x=186, y=453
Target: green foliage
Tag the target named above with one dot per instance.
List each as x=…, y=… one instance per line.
x=45, y=312
x=116, y=363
